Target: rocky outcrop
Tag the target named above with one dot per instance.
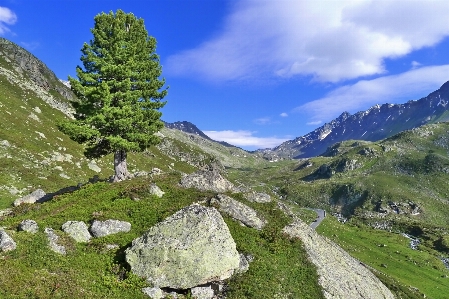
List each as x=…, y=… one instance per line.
x=340, y=275
x=108, y=227
x=190, y=248
x=258, y=197
x=26, y=63
x=6, y=242
x=53, y=241
x=77, y=230
x=238, y=211
x=207, y=180
x=35, y=196
x=29, y=225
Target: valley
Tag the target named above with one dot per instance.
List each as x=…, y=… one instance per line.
x=383, y=187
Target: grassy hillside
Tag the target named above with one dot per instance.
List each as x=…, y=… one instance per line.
x=398, y=184
x=280, y=266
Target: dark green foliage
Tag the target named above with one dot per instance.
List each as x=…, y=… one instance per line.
x=119, y=88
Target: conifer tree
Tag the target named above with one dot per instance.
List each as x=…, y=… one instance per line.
x=119, y=91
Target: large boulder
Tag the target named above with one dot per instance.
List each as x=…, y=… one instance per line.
x=37, y=195
x=238, y=211
x=190, y=248
x=207, y=180
x=77, y=230
x=6, y=242
x=109, y=227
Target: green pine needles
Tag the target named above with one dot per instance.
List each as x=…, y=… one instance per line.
x=119, y=91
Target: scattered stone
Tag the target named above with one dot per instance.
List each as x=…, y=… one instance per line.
x=77, y=230
x=109, y=227
x=238, y=211
x=37, y=110
x=203, y=292
x=258, y=197
x=35, y=196
x=5, y=143
x=29, y=226
x=53, y=241
x=155, y=190
x=153, y=293
x=156, y=171
x=190, y=248
x=206, y=180
x=6, y=242
x=34, y=117
x=93, y=166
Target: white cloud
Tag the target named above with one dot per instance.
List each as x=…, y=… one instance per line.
x=314, y=123
x=411, y=85
x=263, y=121
x=283, y=114
x=7, y=17
x=415, y=64
x=245, y=139
x=340, y=40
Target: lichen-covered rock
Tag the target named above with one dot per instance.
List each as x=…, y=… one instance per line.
x=258, y=197
x=53, y=241
x=190, y=248
x=35, y=196
x=153, y=293
x=109, y=227
x=6, y=242
x=29, y=225
x=77, y=230
x=340, y=275
x=207, y=180
x=155, y=190
x=238, y=211
x=205, y=292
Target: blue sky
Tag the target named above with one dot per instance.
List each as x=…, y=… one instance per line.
x=255, y=73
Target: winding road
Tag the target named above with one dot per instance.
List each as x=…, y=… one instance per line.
x=321, y=214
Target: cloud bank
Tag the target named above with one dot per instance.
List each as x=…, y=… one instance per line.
x=7, y=17
x=341, y=40
x=411, y=85
x=245, y=139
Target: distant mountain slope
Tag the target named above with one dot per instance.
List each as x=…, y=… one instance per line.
x=376, y=123
x=190, y=128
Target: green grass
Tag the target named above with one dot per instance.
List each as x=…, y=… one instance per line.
x=280, y=265
x=400, y=267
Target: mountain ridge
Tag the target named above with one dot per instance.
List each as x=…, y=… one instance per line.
x=376, y=123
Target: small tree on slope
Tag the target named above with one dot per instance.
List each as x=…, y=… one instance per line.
x=119, y=91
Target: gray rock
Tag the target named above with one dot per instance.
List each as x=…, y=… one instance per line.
x=340, y=275
x=29, y=226
x=207, y=180
x=155, y=190
x=238, y=211
x=36, y=195
x=258, y=197
x=77, y=230
x=6, y=242
x=5, y=212
x=205, y=292
x=153, y=293
x=190, y=248
x=53, y=241
x=244, y=263
x=109, y=227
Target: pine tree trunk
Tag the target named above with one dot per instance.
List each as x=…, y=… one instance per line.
x=120, y=167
